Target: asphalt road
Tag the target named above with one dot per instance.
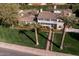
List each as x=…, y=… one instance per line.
x=8, y=52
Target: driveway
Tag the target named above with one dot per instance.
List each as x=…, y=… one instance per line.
x=72, y=30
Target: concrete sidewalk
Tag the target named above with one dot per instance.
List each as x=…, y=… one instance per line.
x=35, y=51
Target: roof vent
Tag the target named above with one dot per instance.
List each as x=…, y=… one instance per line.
x=55, y=7
x=41, y=10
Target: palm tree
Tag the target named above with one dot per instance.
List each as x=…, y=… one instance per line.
x=51, y=44
x=36, y=26
x=36, y=36
x=67, y=23
x=49, y=39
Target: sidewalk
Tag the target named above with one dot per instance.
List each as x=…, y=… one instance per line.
x=35, y=51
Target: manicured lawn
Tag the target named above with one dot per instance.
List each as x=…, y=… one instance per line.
x=71, y=43
x=27, y=38
x=76, y=26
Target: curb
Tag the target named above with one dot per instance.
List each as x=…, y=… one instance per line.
x=35, y=51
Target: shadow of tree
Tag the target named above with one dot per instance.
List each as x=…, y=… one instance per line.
x=74, y=35
x=23, y=32
x=49, y=40
x=77, y=24
x=77, y=13
x=45, y=37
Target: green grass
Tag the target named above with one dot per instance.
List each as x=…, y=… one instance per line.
x=27, y=38
x=76, y=26
x=71, y=43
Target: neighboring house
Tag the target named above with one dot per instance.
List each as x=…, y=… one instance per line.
x=27, y=16
x=64, y=12
x=46, y=18
x=32, y=11
x=37, y=4
x=25, y=19
x=25, y=12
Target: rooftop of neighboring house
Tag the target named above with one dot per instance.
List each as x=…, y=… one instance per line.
x=33, y=11
x=37, y=4
x=63, y=10
x=26, y=17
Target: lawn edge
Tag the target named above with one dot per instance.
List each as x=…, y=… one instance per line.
x=25, y=49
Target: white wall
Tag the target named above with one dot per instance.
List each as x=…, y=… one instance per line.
x=51, y=22
x=60, y=26
x=57, y=11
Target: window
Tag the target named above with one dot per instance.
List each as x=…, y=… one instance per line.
x=40, y=18
x=60, y=27
x=47, y=19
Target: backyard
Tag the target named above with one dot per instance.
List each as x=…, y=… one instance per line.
x=27, y=38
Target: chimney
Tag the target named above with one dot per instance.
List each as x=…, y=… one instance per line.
x=41, y=10
x=55, y=7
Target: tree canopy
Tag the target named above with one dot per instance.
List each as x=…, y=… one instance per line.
x=8, y=13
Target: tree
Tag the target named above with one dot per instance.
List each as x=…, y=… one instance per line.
x=48, y=39
x=36, y=26
x=75, y=7
x=67, y=22
x=51, y=44
x=23, y=5
x=8, y=13
x=36, y=36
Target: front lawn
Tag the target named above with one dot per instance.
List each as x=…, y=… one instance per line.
x=71, y=43
x=27, y=38
x=76, y=26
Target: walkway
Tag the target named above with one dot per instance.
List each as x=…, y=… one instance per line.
x=30, y=50
x=72, y=30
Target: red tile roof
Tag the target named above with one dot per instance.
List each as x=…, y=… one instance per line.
x=48, y=15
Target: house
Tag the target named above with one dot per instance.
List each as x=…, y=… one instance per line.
x=64, y=12
x=47, y=18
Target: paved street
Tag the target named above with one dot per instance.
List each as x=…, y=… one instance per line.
x=7, y=49
x=8, y=52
